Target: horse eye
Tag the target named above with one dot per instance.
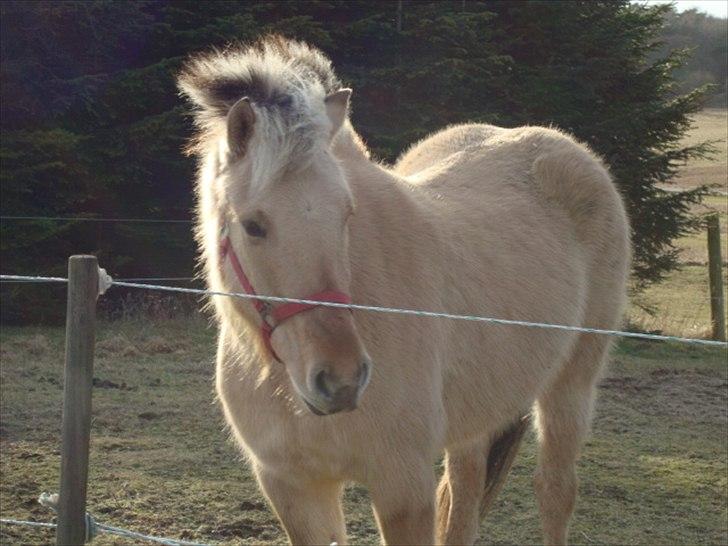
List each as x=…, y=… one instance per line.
x=254, y=229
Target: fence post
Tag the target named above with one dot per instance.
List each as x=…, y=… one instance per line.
x=83, y=282
x=715, y=268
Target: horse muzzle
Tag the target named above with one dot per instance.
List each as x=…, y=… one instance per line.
x=331, y=393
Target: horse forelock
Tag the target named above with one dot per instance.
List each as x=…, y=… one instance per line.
x=286, y=82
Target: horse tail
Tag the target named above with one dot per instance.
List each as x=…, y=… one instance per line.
x=501, y=455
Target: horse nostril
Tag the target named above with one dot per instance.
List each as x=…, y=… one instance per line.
x=321, y=385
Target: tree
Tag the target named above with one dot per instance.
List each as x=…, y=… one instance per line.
x=584, y=67
x=703, y=37
x=92, y=125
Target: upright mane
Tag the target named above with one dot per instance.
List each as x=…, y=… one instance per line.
x=286, y=82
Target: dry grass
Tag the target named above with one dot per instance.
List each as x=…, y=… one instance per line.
x=653, y=471
x=681, y=303
x=694, y=248
x=33, y=345
x=679, y=306
x=710, y=124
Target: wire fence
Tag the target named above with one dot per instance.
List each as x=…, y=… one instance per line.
x=95, y=528
x=681, y=325
x=96, y=219
x=147, y=283
x=134, y=279
x=390, y=310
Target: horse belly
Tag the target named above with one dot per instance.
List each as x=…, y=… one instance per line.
x=486, y=394
x=535, y=272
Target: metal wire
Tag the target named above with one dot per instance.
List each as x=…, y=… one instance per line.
x=146, y=279
x=9, y=521
x=101, y=527
x=400, y=311
x=89, y=219
x=59, y=279
x=432, y=314
x=30, y=278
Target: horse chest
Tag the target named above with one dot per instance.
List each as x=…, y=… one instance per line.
x=277, y=434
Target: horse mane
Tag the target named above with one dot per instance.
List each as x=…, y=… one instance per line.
x=285, y=80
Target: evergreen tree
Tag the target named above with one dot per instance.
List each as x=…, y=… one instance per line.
x=583, y=67
x=92, y=124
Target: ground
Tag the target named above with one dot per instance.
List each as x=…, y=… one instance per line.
x=654, y=470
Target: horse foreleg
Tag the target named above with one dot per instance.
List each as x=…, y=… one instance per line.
x=310, y=511
x=404, y=504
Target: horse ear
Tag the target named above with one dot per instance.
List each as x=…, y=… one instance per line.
x=337, y=107
x=240, y=121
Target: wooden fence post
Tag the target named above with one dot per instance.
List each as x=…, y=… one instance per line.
x=715, y=267
x=83, y=282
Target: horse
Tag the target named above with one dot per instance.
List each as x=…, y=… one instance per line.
x=515, y=223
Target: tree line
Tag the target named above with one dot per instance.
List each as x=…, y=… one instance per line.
x=705, y=39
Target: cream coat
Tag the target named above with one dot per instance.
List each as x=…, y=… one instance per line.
x=518, y=223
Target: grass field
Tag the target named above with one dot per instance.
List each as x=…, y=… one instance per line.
x=709, y=124
x=653, y=472
x=680, y=305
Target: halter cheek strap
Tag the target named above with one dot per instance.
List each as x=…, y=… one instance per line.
x=281, y=312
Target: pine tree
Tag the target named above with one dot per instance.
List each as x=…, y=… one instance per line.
x=92, y=124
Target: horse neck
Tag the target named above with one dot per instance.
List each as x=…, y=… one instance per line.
x=373, y=182
x=348, y=146
x=391, y=213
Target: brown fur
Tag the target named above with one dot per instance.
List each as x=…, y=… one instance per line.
x=514, y=223
x=500, y=459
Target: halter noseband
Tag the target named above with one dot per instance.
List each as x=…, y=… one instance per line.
x=266, y=311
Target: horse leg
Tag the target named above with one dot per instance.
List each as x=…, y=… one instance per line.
x=459, y=494
x=563, y=419
x=471, y=482
x=404, y=503
x=309, y=511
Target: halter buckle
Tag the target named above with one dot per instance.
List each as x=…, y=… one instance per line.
x=264, y=310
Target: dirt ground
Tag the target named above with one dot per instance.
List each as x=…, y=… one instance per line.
x=653, y=471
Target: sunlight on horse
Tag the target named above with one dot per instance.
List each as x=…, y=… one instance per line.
x=518, y=223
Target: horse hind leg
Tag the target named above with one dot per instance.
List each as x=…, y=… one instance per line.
x=458, y=495
x=473, y=477
x=563, y=418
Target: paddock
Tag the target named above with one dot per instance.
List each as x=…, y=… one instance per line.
x=652, y=470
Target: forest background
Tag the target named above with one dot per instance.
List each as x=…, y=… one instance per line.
x=92, y=126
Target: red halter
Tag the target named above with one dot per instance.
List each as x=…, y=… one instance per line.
x=265, y=310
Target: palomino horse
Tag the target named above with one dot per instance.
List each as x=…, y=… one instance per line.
x=518, y=223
